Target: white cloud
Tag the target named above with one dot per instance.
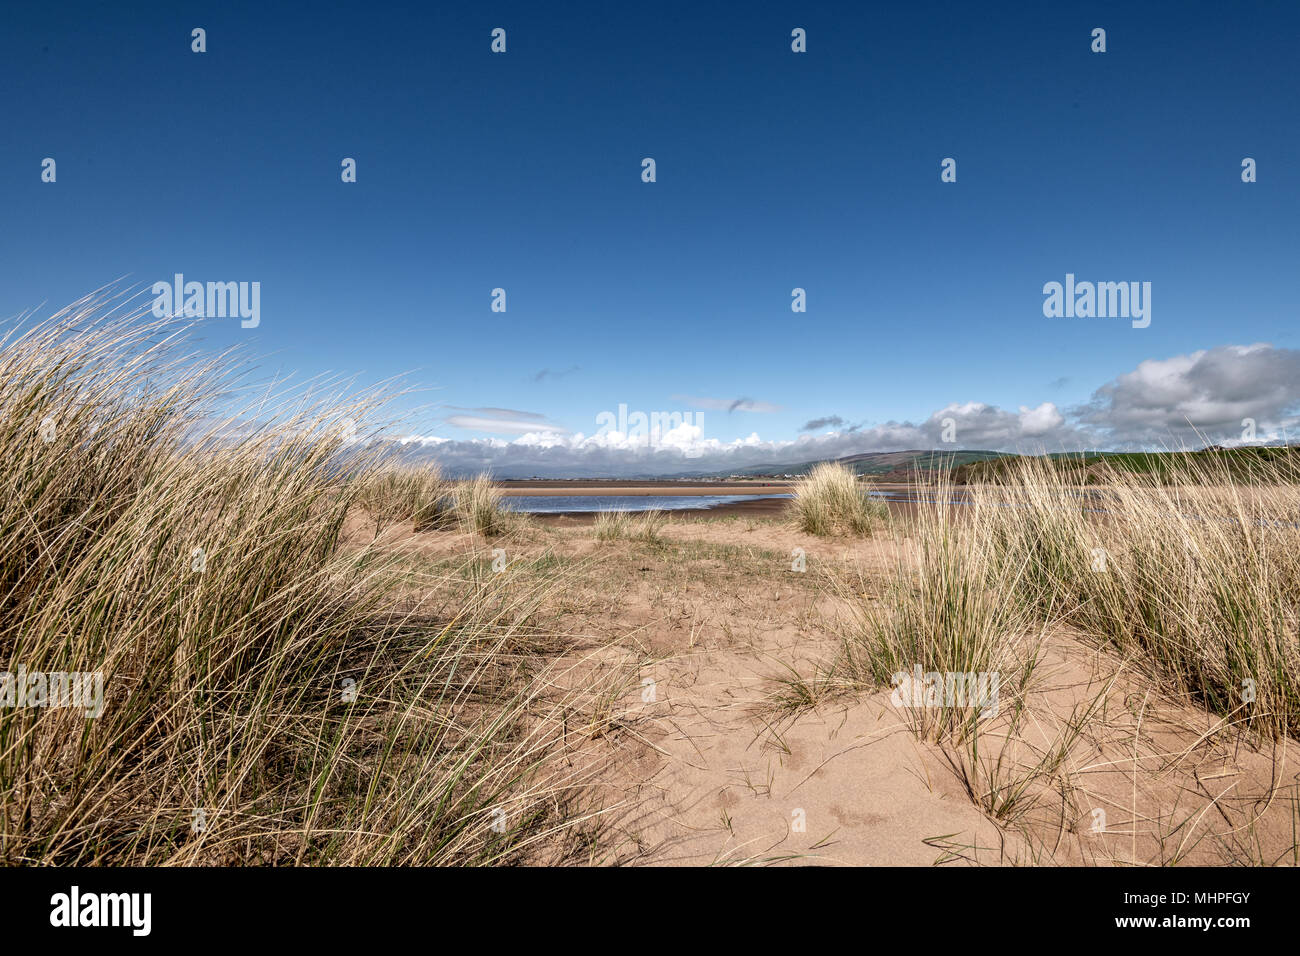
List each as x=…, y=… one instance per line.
x=1175, y=400
x=506, y=421
x=1148, y=407
x=1042, y=420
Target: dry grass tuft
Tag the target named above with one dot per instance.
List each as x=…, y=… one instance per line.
x=1195, y=584
x=645, y=526
x=831, y=500
x=270, y=696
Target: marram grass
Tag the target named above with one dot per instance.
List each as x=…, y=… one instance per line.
x=272, y=694
x=1197, y=582
x=831, y=500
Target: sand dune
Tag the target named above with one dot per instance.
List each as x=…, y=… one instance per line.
x=709, y=767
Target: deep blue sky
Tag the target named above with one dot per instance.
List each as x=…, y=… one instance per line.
x=775, y=170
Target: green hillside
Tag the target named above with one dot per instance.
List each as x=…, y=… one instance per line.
x=1255, y=463
x=897, y=465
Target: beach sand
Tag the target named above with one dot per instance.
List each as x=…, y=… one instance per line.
x=701, y=763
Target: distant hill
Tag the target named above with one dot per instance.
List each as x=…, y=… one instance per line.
x=885, y=465
x=1260, y=463
x=971, y=466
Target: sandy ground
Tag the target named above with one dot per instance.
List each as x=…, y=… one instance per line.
x=706, y=762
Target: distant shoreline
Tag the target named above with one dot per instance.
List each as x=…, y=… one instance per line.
x=754, y=508
x=643, y=487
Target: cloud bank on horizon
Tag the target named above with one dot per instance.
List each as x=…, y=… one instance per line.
x=1212, y=395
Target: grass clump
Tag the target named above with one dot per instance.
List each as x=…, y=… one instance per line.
x=1199, y=581
x=432, y=503
x=272, y=692
x=944, y=610
x=831, y=500
x=419, y=495
x=960, y=653
x=646, y=526
x=479, y=506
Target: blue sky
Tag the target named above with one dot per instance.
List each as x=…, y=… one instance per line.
x=775, y=170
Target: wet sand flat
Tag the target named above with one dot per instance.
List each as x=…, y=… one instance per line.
x=758, y=507
x=644, y=488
